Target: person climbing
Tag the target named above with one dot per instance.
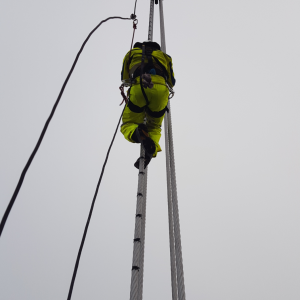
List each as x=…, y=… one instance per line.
x=147, y=69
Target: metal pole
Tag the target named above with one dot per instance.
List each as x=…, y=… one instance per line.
x=151, y=21
x=141, y=275
x=162, y=27
x=137, y=273
x=138, y=234
x=174, y=225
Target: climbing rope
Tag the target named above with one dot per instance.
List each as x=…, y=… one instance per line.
x=91, y=212
x=135, y=22
x=23, y=174
x=132, y=17
x=177, y=274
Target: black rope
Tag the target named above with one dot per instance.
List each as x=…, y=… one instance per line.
x=135, y=7
x=90, y=213
x=133, y=16
x=18, y=187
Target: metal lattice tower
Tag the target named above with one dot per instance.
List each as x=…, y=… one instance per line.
x=177, y=275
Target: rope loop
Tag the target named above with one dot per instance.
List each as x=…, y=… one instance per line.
x=125, y=98
x=171, y=91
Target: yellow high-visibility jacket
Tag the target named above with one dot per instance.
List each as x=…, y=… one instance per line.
x=160, y=60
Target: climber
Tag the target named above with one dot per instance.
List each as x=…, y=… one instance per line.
x=147, y=99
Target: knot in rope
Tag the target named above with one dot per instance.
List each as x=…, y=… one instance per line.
x=135, y=22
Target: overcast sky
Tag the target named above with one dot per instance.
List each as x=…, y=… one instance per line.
x=236, y=134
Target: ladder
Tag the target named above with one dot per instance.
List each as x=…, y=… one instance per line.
x=137, y=272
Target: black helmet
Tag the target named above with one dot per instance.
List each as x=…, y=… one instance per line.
x=150, y=44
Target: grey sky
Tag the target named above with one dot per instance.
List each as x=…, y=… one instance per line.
x=236, y=131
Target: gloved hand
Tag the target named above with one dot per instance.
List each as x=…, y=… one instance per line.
x=146, y=81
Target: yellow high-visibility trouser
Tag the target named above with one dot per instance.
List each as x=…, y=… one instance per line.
x=158, y=100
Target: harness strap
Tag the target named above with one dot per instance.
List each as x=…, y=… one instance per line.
x=134, y=108
x=156, y=114
x=148, y=52
x=142, y=71
x=157, y=70
x=162, y=67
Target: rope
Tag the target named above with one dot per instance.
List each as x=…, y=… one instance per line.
x=136, y=287
x=23, y=174
x=170, y=213
x=141, y=273
x=90, y=213
x=178, y=287
x=138, y=255
x=135, y=22
x=178, y=250
x=135, y=7
x=125, y=98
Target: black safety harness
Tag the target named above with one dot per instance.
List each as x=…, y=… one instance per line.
x=161, y=71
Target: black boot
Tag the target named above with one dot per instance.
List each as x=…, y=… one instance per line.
x=141, y=135
x=146, y=162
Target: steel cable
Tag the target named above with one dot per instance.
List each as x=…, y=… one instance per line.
x=177, y=276
x=170, y=213
x=178, y=249
x=141, y=275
